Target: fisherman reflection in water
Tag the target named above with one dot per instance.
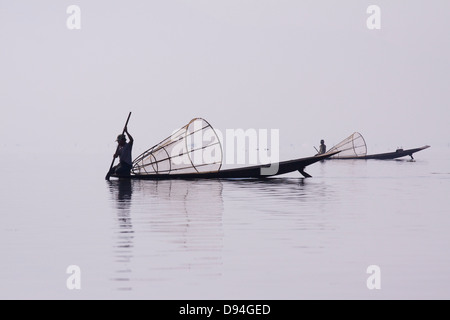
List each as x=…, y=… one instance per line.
x=323, y=147
x=124, y=150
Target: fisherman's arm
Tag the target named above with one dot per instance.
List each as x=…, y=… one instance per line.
x=129, y=135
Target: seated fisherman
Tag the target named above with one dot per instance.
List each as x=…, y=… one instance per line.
x=323, y=147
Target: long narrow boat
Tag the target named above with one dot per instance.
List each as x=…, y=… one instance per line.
x=195, y=152
x=354, y=147
x=399, y=153
x=257, y=172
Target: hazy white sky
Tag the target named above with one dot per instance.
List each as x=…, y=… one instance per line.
x=309, y=68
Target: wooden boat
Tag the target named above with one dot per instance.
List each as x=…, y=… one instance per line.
x=246, y=172
x=354, y=147
x=194, y=152
x=388, y=155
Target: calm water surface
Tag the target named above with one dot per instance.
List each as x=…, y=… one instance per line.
x=283, y=238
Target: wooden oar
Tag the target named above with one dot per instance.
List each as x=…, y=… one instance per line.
x=117, y=149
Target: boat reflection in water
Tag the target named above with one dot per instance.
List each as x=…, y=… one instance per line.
x=167, y=229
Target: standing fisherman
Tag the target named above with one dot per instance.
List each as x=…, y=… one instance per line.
x=124, y=150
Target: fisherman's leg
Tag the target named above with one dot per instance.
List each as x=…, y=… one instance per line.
x=123, y=169
x=113, y=169
x=118, y=170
